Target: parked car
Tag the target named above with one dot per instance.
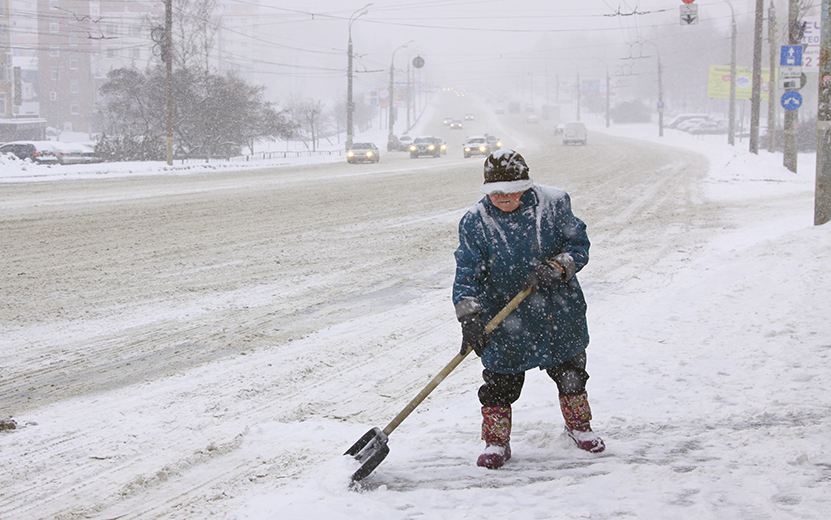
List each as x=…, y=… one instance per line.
x=685, y=126
x=424, y=145
x=575, y=133
x=404, y=143
x=40, y=152
x=76, y=153
x=709, y=127
x=363, y=152
x=456, y=124
x=680, y=118
x=480, y=145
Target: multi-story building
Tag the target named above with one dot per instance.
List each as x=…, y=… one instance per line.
x=6, y=70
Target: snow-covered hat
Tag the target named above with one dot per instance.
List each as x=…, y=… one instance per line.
x=505, y=172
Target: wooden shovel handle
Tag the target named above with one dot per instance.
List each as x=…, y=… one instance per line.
x=454, y=363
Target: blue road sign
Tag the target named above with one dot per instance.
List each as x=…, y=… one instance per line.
x=791, y=100
x=790, y=56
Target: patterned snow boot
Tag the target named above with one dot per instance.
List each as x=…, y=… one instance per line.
x=577, y=414
x=496, y=432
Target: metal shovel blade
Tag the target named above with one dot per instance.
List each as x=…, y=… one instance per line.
x=370, y=450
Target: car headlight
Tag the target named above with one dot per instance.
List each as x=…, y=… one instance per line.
x=467, y=148
x=431, y=147
x=369, y=154
x=444, y=147
x=350, y=153
x=499, y=144
x=412, y=148
x=483, y=148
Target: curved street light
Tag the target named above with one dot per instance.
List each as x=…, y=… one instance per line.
x=350, y=106
x=392, y=88
x=607, y=89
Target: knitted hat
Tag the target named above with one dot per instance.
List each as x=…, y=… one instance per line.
x=505, y=172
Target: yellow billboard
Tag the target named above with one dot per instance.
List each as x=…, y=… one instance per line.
x=718, y=84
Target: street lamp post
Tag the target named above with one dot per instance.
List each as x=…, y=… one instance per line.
x=731, y=125
x=660, y=91
x=607, y=90
x=350, y=106
x=392, y=88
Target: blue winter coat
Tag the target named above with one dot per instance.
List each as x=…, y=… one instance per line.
x=497, y=251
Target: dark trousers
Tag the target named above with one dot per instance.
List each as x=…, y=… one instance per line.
x=504, y=389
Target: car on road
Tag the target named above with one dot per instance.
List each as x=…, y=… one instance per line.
x=709, y=127
x=40, y=152
x=532, y=119
x=447, y=120
x=404, y=143
x=688, y=124
x=425, y=145
x=559, y=129
x=575, y=133
x=441, y=143
x=469, y=117
x=480, y=145
x=456, y=124
x=363, y=152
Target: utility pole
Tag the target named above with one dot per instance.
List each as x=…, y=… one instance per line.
x=789, y=159
x=392, y=89
x=350, y=105
x=731, y=113
x=168, y=43
x=756, y=88
x=772, y=79
x=822, y=193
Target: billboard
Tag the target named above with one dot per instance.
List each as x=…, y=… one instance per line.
x=718, y=83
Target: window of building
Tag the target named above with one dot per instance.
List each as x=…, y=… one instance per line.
x=95, y=9
x=53, y=96
x=53, y=4
x=111, y=29
x=54, y=73
x=73, y=64
x=73, y=86
x=54, y=50
x=73, y=40
x=136, y=53
x=74, y=109
x=112, y=52
x=3, y=106
x=53, y=27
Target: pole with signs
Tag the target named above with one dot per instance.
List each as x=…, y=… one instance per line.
x=822, y=193
x=789, y=157
x=756, y=96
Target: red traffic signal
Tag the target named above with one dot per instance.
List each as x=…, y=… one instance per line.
x=688, y=1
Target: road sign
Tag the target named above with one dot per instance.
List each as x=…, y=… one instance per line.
x=689, y=13
x=790, y=56
x=418, y=62
x=688, y=1
x=791, y=100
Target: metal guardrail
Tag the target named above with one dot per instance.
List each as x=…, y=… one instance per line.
x=261, y=156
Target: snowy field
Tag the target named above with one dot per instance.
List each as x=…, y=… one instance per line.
x=709, y=384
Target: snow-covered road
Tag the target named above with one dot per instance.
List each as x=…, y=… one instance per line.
x=181, y=346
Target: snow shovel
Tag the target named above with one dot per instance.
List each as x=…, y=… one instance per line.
x=372, y=448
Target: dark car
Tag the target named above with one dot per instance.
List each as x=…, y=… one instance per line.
x=41, y=152
x=469, y=117
x=425, y=145
x=456, y=124
x=363, y=152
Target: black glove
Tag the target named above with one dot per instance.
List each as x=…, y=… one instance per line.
x=544, y=276
x=473, y=334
